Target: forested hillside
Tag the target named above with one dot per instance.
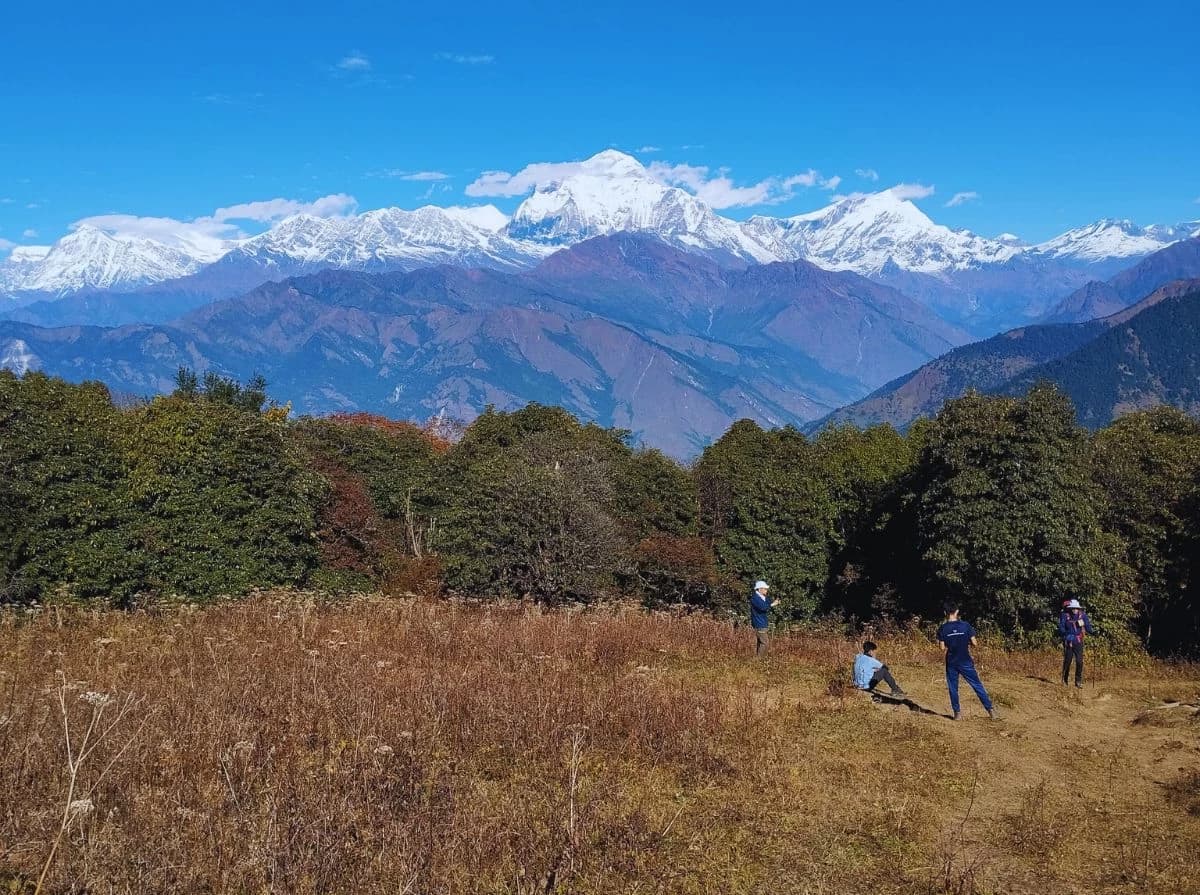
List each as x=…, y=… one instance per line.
x=1003, y=502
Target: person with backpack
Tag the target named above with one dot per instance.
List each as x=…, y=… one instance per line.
x=957, y=637
x=1073, y=626
x=760, y=609
x=869, y=672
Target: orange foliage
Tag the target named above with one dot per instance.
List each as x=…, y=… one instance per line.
x=434, y=431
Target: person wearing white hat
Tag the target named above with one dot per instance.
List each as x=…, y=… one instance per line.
x=760, y=608
x=1073, y=626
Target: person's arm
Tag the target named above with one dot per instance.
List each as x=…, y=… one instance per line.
x=760, y=602
x=974, y=642
x=1087, y=624
x=1062, y=625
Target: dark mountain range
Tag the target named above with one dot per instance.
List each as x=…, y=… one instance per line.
x=1180, y=261
x=1148, y=354
x=623, y=330
x=1140, y=356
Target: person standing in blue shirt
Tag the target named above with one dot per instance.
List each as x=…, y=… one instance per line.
x=760, y=608
x=1073, y=626
x=869, y=672
x=957, y=637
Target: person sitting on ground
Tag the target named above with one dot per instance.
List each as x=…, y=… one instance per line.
x=869, y=672
x=1073, y=626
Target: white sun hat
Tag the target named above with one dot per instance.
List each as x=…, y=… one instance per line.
x=1073, y=604
x=761, y=585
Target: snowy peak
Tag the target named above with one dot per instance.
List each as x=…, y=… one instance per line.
x=868, y=233
x=612, y=192
x=1111, y=238
x=90, y=258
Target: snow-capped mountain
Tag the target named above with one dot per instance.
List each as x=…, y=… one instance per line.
x=19, y=266
x=613, y=193
x=90, y=258
x=881, y=235
x=867, y=233
x=1109, y=238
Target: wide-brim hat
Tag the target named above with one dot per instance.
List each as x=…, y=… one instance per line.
x=1072, y=604
x=761, y=585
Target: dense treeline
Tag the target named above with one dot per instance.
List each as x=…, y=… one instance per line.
x=1006, y=504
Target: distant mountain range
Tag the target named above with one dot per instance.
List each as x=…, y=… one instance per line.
x=624, y=329
x=974, y=282
x=1098, y=361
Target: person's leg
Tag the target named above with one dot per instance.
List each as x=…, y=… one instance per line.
x=952, y=686
x=972, y=677
x=883, y=674
x=1067, y=656
x=762, y=643
x=1079, y=664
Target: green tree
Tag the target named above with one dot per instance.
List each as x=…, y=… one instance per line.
x=531, y=507
x=768, y=511
x=64, y=510
x=222, y=500
x=1008, y=518
x=1147, y=464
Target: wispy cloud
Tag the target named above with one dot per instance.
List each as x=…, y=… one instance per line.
x=208, y=233
x=962, y=198
x=29, y=234
x=715, y=187
x=867, y=173
x=650, y=149
x=32, y=205
x=420, y=176
x=6, y=244
x=354, y=61
x=466, y=58
x=912, y=191
x=8, y=201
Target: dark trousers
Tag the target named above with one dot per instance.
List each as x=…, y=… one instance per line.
x=967, y=670
x=762, y=642
x=1073, y=652
x=882, y=675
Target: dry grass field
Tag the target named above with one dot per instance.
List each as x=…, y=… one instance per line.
x=375, y=746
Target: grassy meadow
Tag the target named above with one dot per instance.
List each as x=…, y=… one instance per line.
x=407, y=746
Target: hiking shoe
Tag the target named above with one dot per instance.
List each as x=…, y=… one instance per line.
x=992, y=715
x=1079, y=686
x=958, y=716
x=898, y=693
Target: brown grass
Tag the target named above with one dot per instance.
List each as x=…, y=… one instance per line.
x=281, y=745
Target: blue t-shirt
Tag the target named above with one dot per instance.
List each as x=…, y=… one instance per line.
x=864, y=667
x=957, y=637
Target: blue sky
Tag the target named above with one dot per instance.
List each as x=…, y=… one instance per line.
x=1052, y=114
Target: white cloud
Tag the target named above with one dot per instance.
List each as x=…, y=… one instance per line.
x=31, y=205
x=502, y=183
x=716, y=188
x=961, y=199
x=8, y=201
x=867, y=173
x=209, y=232
x=659, y=149
x=911, y=191
x=420, y=176
x=354, y=61
x=29, y=234
x=467, y=59
x=6, y=244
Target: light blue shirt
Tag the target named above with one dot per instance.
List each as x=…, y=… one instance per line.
x=864, y=667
